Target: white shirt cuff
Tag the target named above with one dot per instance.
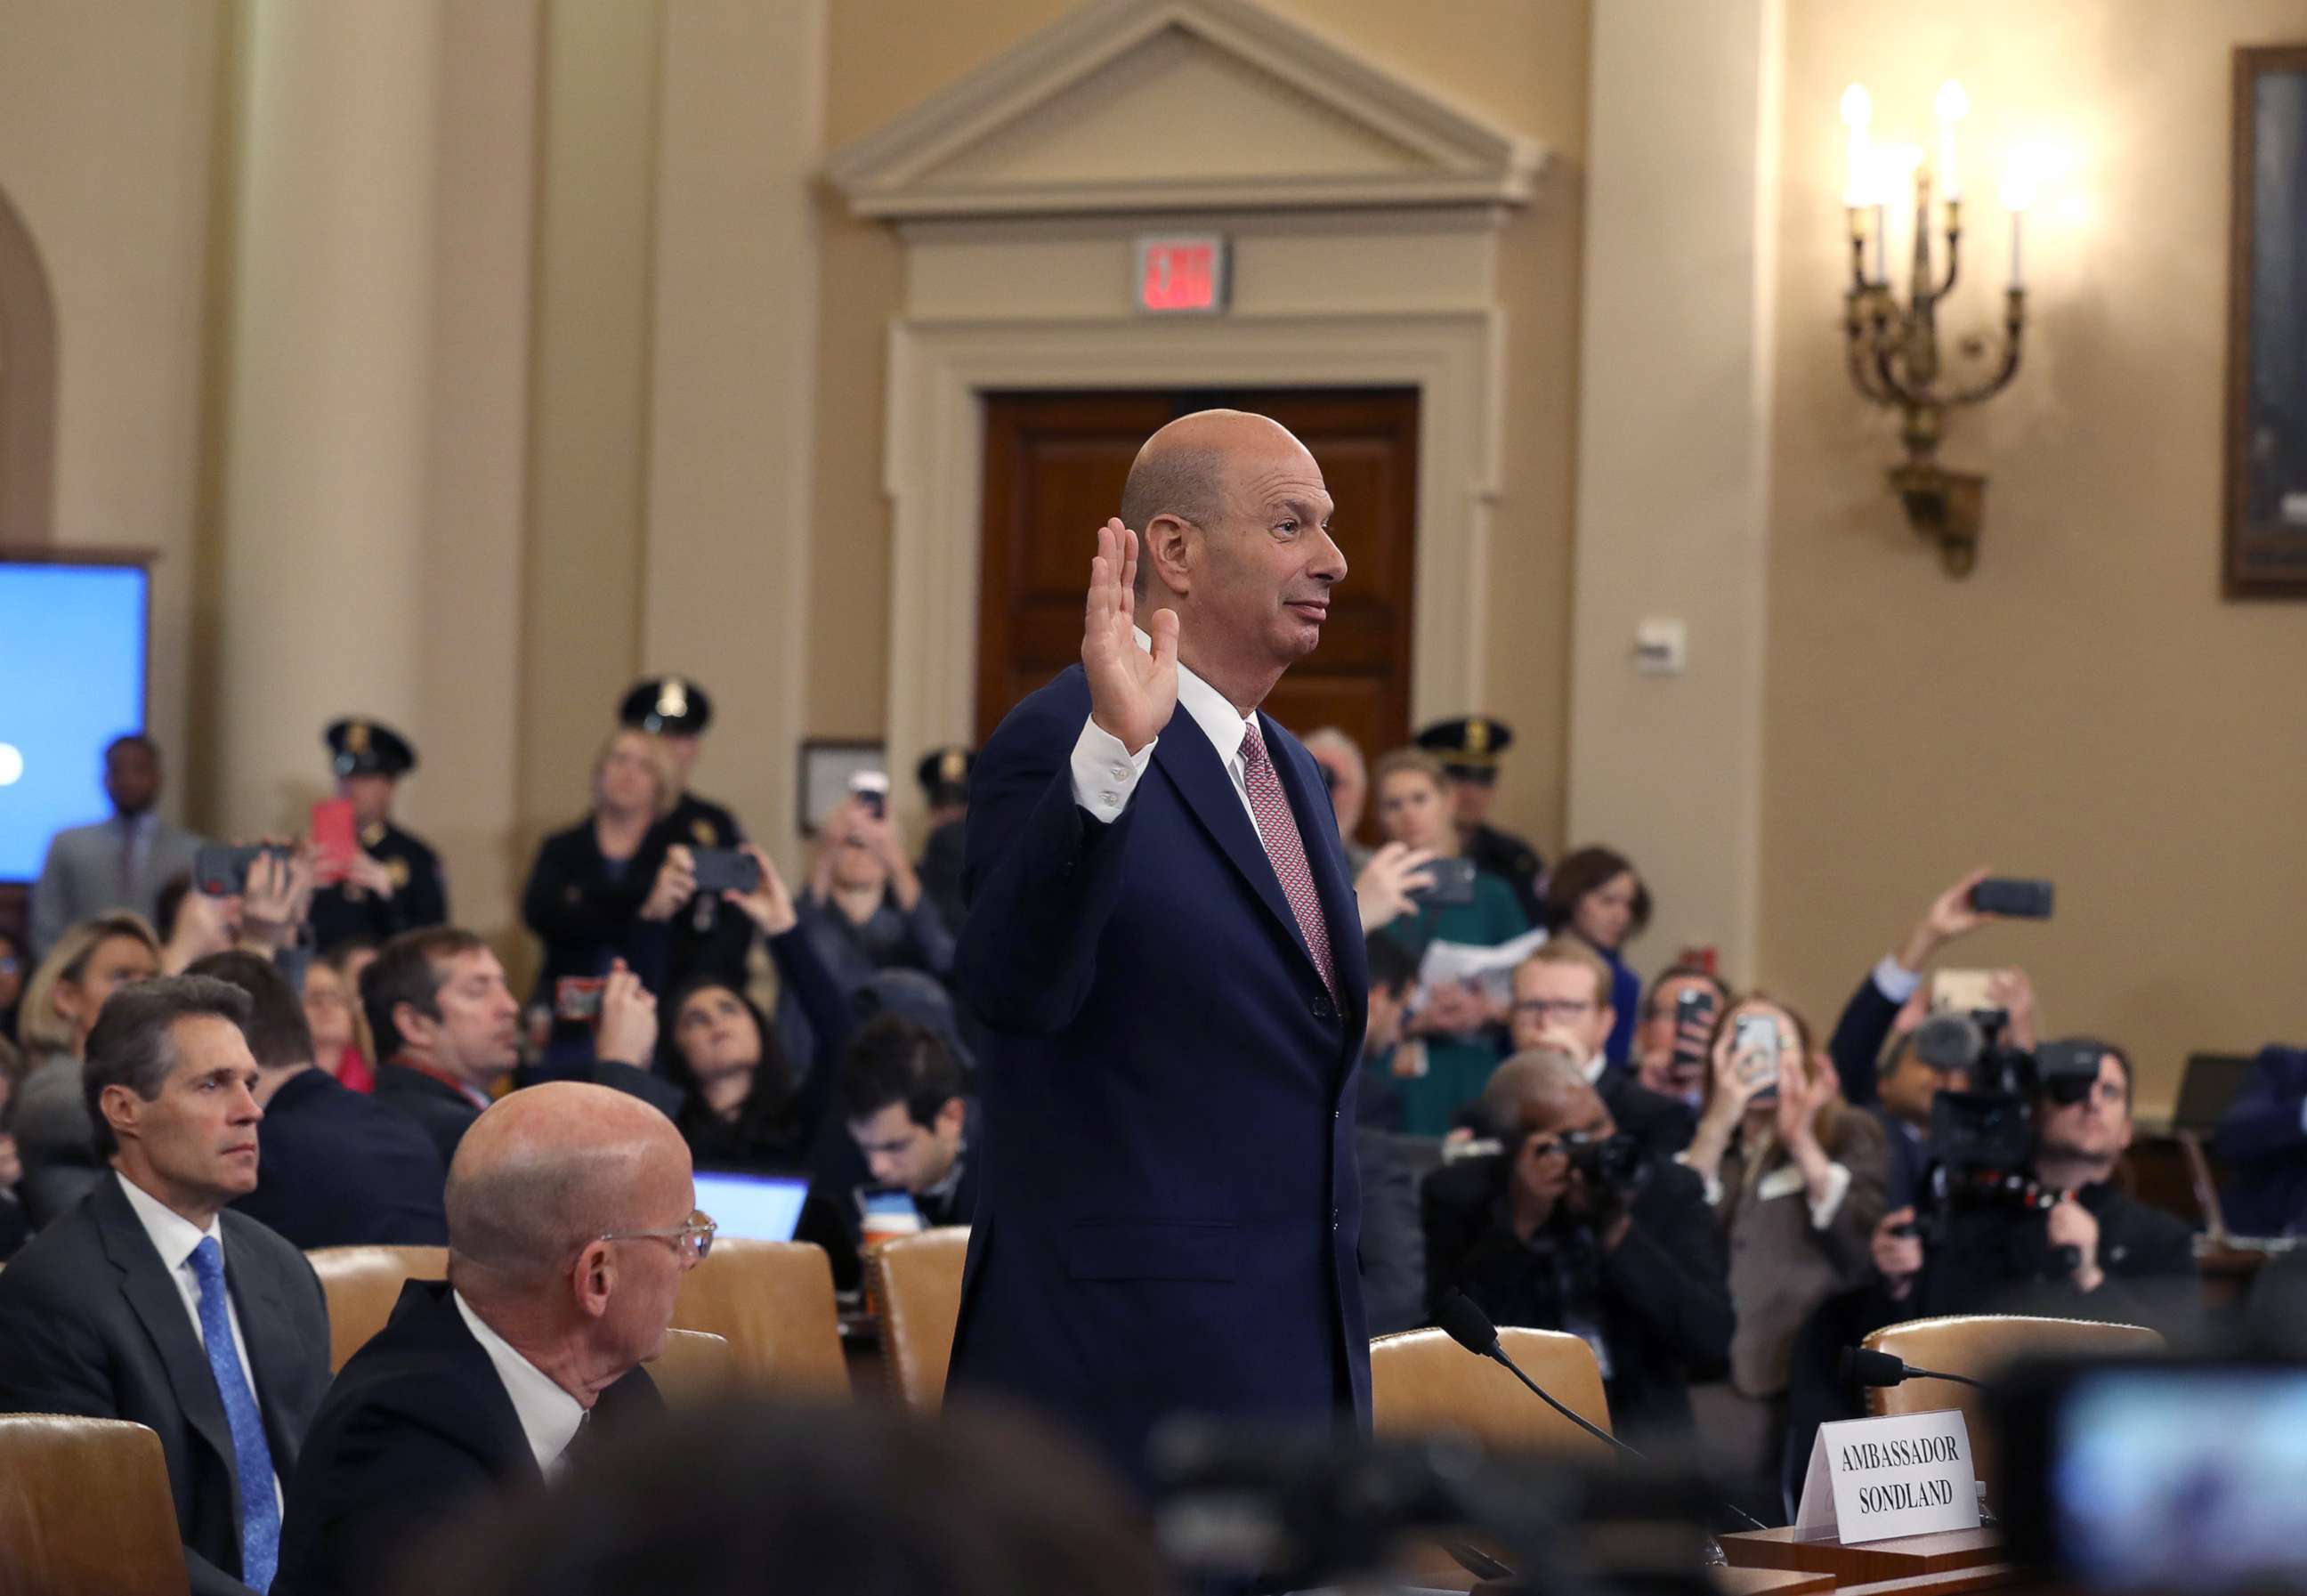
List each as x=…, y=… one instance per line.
x=1105, y=772
x=1894, y=981
x=1838, y=1187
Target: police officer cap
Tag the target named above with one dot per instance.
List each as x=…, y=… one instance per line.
x=1469, y=747
x=669, y=706
x=361, y=746
x=944, y=774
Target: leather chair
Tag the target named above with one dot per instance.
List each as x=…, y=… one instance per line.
x=1980, y=1345
x=773, y=1302
x=693, y=1367
x=362, y=1283
x=1422, y=1381
x=916, y=1280
x=85, y=1510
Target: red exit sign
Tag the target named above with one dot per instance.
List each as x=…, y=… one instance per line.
x=1182, y=275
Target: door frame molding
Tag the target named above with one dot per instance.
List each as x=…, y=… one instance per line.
x=933, y=468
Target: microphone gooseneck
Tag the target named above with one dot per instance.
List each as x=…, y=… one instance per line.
x=1463, y=1319
x=1862, y=1366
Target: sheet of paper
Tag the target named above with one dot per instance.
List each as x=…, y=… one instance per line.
x=1488, y=969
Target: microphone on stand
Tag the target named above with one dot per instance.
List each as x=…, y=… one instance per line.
x=1861, y=1367
x=1463, y=1319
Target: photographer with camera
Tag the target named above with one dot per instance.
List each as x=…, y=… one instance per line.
x=2028, y=1218
x=1794, y=1177
x=1571, y=1227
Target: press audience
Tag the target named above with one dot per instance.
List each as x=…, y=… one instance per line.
x=447, y=1026
x=1796, y=1179
x=115, y=864
x=907, y=1108
x=331, y=1002
x=572, y=1219
x=50, y=1116
x=864, y=909
x=1670, y=1054
x=1595, y=895
x=154, y=1302
x=337, y=1168
x=1634, y=1267
x=1462, y=1032
x=1561, y=994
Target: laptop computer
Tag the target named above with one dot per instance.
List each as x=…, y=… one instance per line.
x=2205, y=1090
x=752, y=1207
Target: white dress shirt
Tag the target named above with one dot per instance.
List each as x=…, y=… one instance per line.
x=1105, y=772
x=1595, y=1066
x=549, y=1416
x=175, y=1239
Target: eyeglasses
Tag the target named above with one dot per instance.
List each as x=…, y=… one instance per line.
x=692, y=1240
x=1560, y=1007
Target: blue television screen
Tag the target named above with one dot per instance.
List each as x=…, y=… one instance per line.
x=73, y=641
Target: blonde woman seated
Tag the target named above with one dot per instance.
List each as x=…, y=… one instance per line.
x=1797, y=1178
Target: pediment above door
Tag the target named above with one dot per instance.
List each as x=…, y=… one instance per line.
x=1207, y=106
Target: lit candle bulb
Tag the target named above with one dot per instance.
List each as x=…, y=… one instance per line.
x=1953, y=105
x=2018, y=194
x=1857, y=177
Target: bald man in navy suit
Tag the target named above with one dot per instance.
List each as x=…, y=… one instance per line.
x=1164, y=947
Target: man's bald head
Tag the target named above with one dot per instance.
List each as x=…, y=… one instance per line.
x=1537, y=1090
x=545, y=1171
x=1185, y=470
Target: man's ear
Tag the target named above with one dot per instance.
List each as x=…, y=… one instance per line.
x=592, y=1278
x=951, y=1116
x=120, y=1106
x=1167, y=547
x=413, y=1025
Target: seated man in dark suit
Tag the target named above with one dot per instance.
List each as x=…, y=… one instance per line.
x=337, y=1170
x=1541, y=1237
x=571, y=1221
x=1562, y=995
x=153, y=1303
x=903, y=1098
x=446, y=1029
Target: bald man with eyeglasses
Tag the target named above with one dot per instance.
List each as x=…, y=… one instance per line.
x=571, y=1221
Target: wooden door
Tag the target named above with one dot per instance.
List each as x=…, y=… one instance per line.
x=1054, y=467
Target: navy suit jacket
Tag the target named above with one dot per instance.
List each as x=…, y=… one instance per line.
x=1172, y=1206
x=338, y=1168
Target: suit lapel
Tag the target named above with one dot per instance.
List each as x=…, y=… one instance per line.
x=1192, y=766
x=154, y=1299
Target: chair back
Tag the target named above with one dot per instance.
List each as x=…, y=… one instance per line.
x=1422, y=1381
x=85, y=1510
x=773, y=1302
x=1979, y=1346
x=362, y=1283
x=916, y=1280
x=693, y=1368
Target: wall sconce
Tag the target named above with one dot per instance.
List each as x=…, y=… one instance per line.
x=1893, y=353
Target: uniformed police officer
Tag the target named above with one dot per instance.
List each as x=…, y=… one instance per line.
x=393, y=882
x=1469, y=749
x=944, y=775
x=709, y=935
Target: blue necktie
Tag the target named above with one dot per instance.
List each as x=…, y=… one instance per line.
x=252, y=1458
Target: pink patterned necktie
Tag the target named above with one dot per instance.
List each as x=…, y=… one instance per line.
x=1277, y=829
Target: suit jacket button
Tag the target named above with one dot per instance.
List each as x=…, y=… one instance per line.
x=1321, y=1008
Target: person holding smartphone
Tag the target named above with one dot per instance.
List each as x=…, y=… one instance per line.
x=1796, y=1179
x=864, y=908
x=1463, y=1032
x=376, y=879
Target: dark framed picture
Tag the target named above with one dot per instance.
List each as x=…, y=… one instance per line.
x=2266, y=539
x=827, y=764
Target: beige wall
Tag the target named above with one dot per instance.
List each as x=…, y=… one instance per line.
x=2084, y=706
x=1519, y=64
x=105, y=129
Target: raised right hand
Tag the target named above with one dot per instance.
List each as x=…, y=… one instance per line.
x=1132, y=693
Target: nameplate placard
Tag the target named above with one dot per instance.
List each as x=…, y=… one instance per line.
x=1879, y=1479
